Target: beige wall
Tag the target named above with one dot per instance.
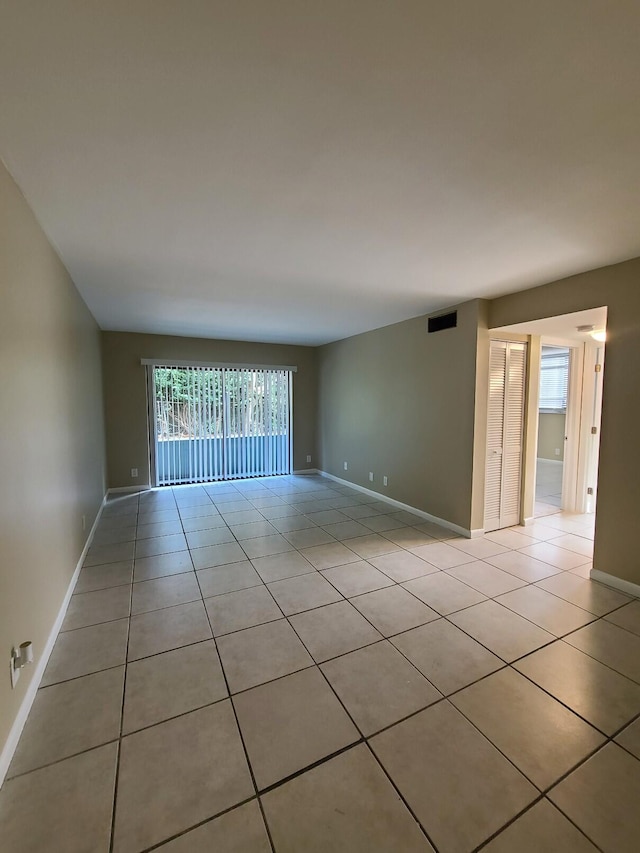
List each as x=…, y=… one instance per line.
x=618, y=288
x=551, y=436
x=52, y=449
x=401, y=403
x=126, y=392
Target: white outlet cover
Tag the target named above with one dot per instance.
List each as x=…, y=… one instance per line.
x=308, y=458
x=385, y=480
x=134, y=472
x=346, y=467
x=371, y=476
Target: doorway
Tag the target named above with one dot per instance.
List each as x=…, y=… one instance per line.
x=555, y=364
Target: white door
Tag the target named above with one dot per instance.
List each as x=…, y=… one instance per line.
x=507, y=390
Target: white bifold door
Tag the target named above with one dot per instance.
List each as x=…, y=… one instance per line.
x=505, y=434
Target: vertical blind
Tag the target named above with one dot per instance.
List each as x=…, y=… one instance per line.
x=554, y=379
x=220, y=423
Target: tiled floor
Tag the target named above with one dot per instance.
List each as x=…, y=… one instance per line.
x=290, y=665
x=548, y=487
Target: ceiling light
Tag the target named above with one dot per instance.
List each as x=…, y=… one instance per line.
x=600, y=336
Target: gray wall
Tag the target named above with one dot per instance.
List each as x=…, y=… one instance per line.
x=551, y=436
x=401, y=403
x=52, y=453
x=126, y=392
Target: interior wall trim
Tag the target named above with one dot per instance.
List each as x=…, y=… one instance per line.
x=9, y=748
x=463, y=531
x=620, y=584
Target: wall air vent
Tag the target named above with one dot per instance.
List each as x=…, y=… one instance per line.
x=442, y=321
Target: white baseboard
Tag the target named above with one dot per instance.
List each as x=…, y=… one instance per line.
x=144, y=487
x=620, y=584
x=463, y=531
x=23, y=712
x=306, y=471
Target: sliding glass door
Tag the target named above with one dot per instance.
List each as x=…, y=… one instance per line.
x=219, y=423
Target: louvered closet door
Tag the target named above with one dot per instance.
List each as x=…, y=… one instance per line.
x=503, y=482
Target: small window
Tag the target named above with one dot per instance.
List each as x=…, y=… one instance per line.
x=554, y=379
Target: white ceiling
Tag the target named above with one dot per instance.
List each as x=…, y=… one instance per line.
x=301, y=171
x=563, y=327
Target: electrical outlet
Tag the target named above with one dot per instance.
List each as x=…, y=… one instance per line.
x=134, y=473
x=84, y=522
x=346, y=467
x=557, y=451
x=371, y=476
x=385, y=481
x=308, y=457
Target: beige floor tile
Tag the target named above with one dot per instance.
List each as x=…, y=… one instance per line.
x=324, y=516
x=115, y=535
x=158, y=516
x=359, y=511
x=436, y=759
x=63, y=808
x=611, y=645
x=330, y=555
x=172, y=683
x=408, y=537
x=442, y=555
x=217, y=555
x=357, y=578
x=273, y=513
x=91, y=608
x=69, y=718
x=436, y=531
x=446, y=655
x=542, y=828
x=334, y=630
x=402, y=566
x=300, y=710
x=292, y=523
x=601, y=797
x=177, y=774
x=220, y=579
x=164, y=592
x=264, y=546
x=630, y=738
x=546, y=610
x=485, y=578
x=245, y=608
x=280, y=566
x=627, y=617
x=577, y=544
x=603, y=697
x=541, y=530
x=309, y=537
x=542, y=737
x=381, y=523
x=503, y=632
x=479, y=548
x=583, y=571
x=303, y=592
x=159, y=528
x=203, y=522
x=378, y=686
x=443, y=593
x=95, y=578
x=240, y=512
x=586, y=594
x=98, y=555
x=257, y=655
x=512, y=538
x=241, y=830
x=171, y=628
x=393, y=609
x=345, y=804
x=162, y=566
x=549, y=552
x=209, y=536
x=160, y=545
x=522, y=566
x=372, y=545
x=348, y=529
x=253, y=530
x=87, y=650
